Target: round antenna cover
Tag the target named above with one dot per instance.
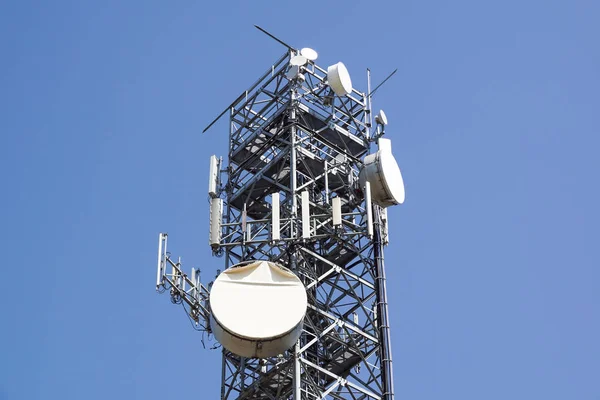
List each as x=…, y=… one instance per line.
x=381, y=118
x=339, y=79
x=298, y=60
x=257, y=309
x=382, y=172
x=309, y=53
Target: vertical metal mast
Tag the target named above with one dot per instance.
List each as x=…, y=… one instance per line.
x=289, y=193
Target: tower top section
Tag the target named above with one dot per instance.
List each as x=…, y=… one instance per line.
x=324, y=93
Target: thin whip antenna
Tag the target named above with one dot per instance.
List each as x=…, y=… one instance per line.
x=274, y=37
x=384, y=81
x=242, y=95
x=369, y=104
x=224, y=111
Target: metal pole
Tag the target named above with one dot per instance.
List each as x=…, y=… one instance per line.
x=297, y=373
x=294, y=231
x=293, y=183
x=326, y=183
x=383, y=316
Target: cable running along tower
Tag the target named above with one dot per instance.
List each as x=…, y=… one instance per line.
x=299, y=213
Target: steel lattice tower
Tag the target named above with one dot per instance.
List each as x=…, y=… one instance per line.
x=294, y=142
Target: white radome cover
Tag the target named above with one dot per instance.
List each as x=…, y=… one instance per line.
x=339, y=79
x=309, y=53
x=383, y=173
x=298, y=60
x=257, y=309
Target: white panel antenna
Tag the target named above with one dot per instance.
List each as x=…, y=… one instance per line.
x=369, y=208
x=337, y=211
x=213, y=178
x=305, y=215
x=162, y=251
x=275, y=223
x=216, y=215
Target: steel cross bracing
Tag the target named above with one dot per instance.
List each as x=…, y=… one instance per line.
x=289, y=136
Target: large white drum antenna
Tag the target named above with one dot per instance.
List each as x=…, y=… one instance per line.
x=257, y=309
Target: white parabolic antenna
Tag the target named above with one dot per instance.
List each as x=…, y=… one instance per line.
x=339, y=79
x=298, y=60
x=257, y=309
x=383, y=173
x=381, y=118
x=309, y=53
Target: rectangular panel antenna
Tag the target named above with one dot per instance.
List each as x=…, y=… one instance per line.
x=213, y=178
x=369, y=208
x=216, y=215
x=162, y=249
x=275, y=224
x=337, y=211
x=305, y=215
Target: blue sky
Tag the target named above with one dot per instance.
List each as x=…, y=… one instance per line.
x=494, y=117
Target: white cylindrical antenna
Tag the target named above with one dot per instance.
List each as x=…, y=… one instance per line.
x=337, y=211
x=369, y=208
x=305, y=215
x=275, y=224
x=213, y=177
x=216, y=215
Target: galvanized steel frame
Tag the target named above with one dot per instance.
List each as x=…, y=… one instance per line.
x=289, y=135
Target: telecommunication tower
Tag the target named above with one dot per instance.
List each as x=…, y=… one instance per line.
x=299, y=213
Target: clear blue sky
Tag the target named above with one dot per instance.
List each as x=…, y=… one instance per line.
x=495, y=120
